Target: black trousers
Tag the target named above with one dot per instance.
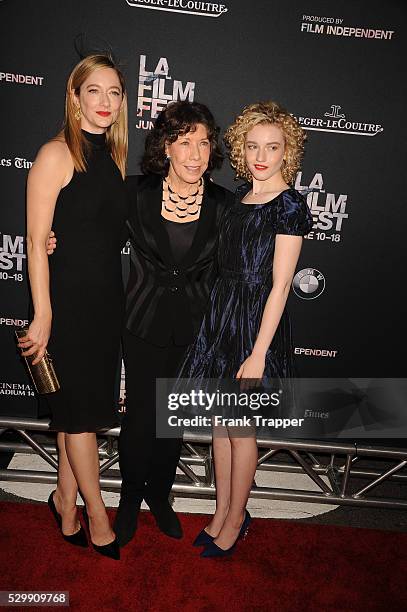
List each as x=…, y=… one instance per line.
x=147, y=463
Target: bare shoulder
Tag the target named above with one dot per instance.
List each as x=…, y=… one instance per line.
x=52, y=163
x=54, y=152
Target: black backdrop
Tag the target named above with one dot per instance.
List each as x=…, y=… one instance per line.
x=337, y=66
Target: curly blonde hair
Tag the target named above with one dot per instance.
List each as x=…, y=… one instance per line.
x=261, y=113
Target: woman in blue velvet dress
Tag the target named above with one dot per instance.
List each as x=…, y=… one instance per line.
x=246, y=331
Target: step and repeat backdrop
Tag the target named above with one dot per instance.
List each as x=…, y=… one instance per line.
x=336, y=66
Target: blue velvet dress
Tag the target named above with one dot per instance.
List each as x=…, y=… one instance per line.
x=245, y=260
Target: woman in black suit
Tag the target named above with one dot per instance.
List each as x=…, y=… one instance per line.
x=175, y=214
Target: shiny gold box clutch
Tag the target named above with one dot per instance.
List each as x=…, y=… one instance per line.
x=42, y=373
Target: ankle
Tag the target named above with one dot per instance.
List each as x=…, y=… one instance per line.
x=65, y=502
x=235, y=520
x=95, y=510
x=222, y=511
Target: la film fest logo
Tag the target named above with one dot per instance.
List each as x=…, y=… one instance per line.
x=309, y=283
x=334, y=26
x=329, y=210
x=12, y=257
x=156, y=89
x=188, y=7
x=21, y=163
x=335, y=120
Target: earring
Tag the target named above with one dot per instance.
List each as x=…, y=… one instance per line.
x=168, y=157
x=78, y=113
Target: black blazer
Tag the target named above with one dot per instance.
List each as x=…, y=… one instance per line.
x=166, y=301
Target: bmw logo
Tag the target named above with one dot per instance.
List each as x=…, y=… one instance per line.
x=309, y=283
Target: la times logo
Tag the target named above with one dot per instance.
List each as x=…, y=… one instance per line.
x=21, y=163
x=156, y=89
x=12, y=257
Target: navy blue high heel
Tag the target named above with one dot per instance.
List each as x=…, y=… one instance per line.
x=77, y=539
x=212, y=550
x=203, y=539
x=111, y=550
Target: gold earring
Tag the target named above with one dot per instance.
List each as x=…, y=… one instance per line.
x=78, y=113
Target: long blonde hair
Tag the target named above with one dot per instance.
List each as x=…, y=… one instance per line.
x=116, y=134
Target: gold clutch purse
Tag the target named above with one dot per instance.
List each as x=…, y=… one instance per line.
x=42, y=373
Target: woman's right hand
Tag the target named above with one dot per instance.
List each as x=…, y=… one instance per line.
x=51, y=243
x=36, y=339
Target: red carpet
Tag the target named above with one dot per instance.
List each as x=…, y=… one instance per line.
x=282, y=566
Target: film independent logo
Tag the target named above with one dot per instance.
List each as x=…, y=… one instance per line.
x=309, y=283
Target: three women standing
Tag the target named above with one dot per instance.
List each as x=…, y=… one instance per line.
x=174, y=220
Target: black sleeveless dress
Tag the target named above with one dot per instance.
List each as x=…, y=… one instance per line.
x=87, y=294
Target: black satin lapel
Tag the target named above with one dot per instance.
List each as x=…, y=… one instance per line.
x=205, y=223
x=155, y=235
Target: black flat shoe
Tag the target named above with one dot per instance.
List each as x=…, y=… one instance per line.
x=125, y=523
x=110, y=550
x=77, y=539
x=166, y=519
x=203, y=539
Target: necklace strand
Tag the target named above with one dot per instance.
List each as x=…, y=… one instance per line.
x=171, y=197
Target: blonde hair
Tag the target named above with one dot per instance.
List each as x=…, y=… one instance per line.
x=116, y=134
x=263, y=113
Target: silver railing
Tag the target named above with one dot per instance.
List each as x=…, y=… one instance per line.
x=341, y=465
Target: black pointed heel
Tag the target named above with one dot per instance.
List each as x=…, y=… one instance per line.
x=77, y=539
x=213, y=550
x=245, y=526
x=203, y=539
x=110, y=550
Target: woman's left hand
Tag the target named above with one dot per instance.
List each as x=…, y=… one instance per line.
x=252, y=368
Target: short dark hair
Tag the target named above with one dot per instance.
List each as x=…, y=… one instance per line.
x=176, y=119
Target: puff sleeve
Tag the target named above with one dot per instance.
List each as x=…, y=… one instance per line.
x=293, y=214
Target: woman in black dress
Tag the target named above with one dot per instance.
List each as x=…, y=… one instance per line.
x=76, y=184
x=175, y=213
x=246, y=331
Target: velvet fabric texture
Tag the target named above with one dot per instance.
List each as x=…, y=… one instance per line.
x=245, y=261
